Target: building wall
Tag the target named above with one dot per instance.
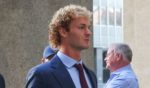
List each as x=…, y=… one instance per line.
x=24, y=34
x=137, y=34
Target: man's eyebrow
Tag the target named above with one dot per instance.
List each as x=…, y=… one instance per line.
x=82, y=24
x=85, y=24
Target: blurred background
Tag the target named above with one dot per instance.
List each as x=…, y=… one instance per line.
x=24, y=35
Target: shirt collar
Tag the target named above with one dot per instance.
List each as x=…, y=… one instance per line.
x=66, y=60
x=125, y=68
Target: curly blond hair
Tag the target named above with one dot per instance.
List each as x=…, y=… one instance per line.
x=62, y=18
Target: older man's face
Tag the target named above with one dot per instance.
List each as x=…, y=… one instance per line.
x=111, y=60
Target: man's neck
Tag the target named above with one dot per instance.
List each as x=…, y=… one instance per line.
x=120, y=66
x=71, y=53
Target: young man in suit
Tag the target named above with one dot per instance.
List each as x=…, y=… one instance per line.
x=69, y=31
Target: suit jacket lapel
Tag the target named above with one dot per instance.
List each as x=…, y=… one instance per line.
x=61, y=73
x=91, y=76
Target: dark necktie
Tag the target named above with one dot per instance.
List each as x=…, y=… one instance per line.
x=81, y=76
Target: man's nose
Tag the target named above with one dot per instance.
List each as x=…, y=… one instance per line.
x=88, y=31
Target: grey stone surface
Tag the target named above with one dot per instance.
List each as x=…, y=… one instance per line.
x=23, y=35
x=137, y=35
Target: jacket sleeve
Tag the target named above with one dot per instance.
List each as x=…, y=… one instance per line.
x=34, y=79
x=2, y=82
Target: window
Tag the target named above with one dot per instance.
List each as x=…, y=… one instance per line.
x=107, y=29
x=107, y=22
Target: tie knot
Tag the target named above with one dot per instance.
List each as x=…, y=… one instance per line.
x=79, y=67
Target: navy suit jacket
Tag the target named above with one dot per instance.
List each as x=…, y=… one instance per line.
x=2, y=82
x=54, y=74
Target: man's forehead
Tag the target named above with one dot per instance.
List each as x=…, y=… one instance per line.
x=82, y=18
x=81, y=21
x=110, y=50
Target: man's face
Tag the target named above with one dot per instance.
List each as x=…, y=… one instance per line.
x=111, y=60
x=79, y=34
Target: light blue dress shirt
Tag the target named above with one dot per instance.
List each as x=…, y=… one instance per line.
x=69, y=63
x=122, y=78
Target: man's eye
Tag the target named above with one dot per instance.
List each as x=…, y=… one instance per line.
x=89, y=27
x=81, y=27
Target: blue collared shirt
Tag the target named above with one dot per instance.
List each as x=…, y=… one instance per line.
x=122, y=78
x=69, y=63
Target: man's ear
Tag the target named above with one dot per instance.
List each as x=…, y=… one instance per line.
x=62, y=32
x=119, y=56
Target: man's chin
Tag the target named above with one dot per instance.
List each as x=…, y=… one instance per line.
x=86, y=47
x=107, y=67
